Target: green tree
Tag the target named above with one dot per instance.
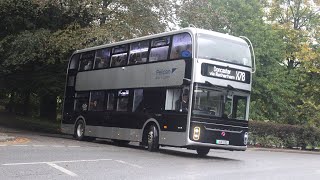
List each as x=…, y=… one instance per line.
x=298, y=22
x=272, y=90
x=38, y=36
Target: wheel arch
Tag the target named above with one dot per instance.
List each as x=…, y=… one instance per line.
x=76, y=121
x=146, y=125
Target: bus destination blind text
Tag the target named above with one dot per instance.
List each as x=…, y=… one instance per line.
x=225, y=73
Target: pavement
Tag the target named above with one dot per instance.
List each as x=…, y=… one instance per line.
x=10, y=135
x=56, y=156
x=5, y=137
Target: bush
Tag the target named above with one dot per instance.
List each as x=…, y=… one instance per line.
x=269, y=134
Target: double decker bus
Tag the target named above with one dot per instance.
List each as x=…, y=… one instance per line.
x=186, y=88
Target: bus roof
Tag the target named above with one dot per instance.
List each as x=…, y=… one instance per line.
x=190, y=30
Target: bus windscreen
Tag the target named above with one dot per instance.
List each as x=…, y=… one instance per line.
x=215, y=48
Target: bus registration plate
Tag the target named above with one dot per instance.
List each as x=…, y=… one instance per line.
x=222, y=142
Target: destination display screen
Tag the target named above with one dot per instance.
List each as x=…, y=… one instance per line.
x=223, y=72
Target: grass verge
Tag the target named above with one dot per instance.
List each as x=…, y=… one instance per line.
x=29, y=123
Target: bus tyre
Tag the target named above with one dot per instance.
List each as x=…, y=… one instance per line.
x=79, y=130
x=153, y=138
x=203, y=151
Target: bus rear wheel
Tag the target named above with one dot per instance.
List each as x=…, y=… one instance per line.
x=79, y=130
x=153, y=138
x=203, y=151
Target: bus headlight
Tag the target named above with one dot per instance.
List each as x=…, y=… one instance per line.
x=245, y=138
x=196, y=133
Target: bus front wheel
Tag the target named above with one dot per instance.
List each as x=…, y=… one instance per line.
x=203, y=151
x=79, y=130
x=153, y=138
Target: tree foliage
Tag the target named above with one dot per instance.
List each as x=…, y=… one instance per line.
x=38, y=36
x=285, y=36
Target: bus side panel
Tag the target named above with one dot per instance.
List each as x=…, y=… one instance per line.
x=161, y=74
x=173, y=128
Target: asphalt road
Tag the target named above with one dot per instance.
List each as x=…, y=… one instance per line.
x=45, y=156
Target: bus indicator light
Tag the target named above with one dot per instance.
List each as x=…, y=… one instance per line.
x=245, y=138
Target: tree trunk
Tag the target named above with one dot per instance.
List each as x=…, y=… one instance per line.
x=11, y=102
x=26, y=104
x=48, y=107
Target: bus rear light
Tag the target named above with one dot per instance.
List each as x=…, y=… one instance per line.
x=196, y=133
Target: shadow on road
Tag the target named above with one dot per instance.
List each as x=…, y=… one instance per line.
x=170, y=152
x=193, y=155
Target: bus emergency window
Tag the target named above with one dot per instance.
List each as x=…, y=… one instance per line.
x=74, y=64
x=181, y=46
x=102, y=59
x=110, y=101
x=81, y=101
x=123, y=100
x=137, y=99
x=139, y=52
x=173, y=96
x=86, y=61
x=160, y=48
x=96, y=101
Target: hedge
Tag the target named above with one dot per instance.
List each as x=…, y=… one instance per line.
x=269, y=134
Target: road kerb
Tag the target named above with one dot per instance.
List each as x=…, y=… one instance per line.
x=283, y=150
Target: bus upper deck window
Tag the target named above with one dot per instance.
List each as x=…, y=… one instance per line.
x=102, y=59
x=119, y=55
x=159, y=54
x=119, y=60
x=74, y=62
x=160, y=48
x=139, y=52
x=86, y=61
x=181, y=46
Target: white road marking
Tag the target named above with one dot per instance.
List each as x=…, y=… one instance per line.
x=20, y=145
x=62, y=169
x=133, y=165
x=57, y=146
x=2, y=145
x=38, y=145
x=73, y=146
x=66, y=171
x=56, y=162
